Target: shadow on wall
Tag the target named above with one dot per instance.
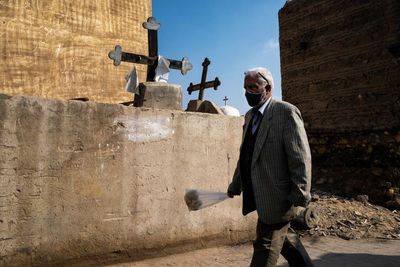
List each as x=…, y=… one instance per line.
x=364, y=260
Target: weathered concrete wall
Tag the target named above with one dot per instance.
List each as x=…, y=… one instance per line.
x=60, y=48
x=94, y=183
x=340, y=64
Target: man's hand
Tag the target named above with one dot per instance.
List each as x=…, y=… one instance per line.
x=231, y=192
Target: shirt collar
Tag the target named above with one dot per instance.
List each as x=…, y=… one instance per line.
x=264, y=106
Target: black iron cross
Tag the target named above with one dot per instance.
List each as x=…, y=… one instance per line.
x=152, y=26
x=225, y=99
x=203, y=85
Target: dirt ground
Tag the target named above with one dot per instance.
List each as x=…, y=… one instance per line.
x=324, y=252
x=350, y=232
x=352, y=218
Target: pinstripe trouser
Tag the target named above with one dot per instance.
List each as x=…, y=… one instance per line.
x=273, y=239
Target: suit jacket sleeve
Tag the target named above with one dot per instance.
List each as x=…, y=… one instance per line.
x=299, y=158
x=236, y=185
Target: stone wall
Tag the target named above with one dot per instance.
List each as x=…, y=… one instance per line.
x=340, y=64
x=60, y=48
x=93, y=183
x=358, y=162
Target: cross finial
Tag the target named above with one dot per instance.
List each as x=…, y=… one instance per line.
x=151, y=60
x=151, y=24
x=225, y=99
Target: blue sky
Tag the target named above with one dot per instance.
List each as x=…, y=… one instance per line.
x=234, y=35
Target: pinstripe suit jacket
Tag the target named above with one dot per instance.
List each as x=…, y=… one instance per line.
x=281, y=164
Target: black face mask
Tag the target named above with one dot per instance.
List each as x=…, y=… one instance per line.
x=254, y=99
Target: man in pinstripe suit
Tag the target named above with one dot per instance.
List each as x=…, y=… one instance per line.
x=273, y=171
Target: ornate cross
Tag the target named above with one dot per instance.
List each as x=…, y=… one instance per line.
x=203, y=85
x=152, y=26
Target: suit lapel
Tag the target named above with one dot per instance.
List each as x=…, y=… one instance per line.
x=247, y=119
x=263, y=131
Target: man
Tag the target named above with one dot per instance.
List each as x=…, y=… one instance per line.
x=273, y=171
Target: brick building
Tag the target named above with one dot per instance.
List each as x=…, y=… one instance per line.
x=340, y=64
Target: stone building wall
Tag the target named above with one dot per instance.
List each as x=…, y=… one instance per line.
x=60, y=48
x=340, y=64
x=91, y=184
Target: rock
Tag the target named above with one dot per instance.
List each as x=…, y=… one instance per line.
x=314, y=197
x=385, y=184
x=321, y=180
x=362, y=198
x=390, y=192
x=377, y=171
x=357, y=213
x=395, y=203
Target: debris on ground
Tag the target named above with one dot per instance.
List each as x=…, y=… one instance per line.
x=350, y=218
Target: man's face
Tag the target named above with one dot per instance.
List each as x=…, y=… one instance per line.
x=251, y=85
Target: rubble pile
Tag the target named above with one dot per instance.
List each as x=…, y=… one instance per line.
x=350, y=218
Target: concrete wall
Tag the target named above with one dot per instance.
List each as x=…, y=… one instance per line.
x=340, y=64
x=60, y=48
x=94, y=183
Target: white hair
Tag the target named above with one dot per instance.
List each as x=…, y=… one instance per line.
x=261, y=73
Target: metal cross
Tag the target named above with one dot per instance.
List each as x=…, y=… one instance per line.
x=203, y=85
x=225, y=99
x=152, y=26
